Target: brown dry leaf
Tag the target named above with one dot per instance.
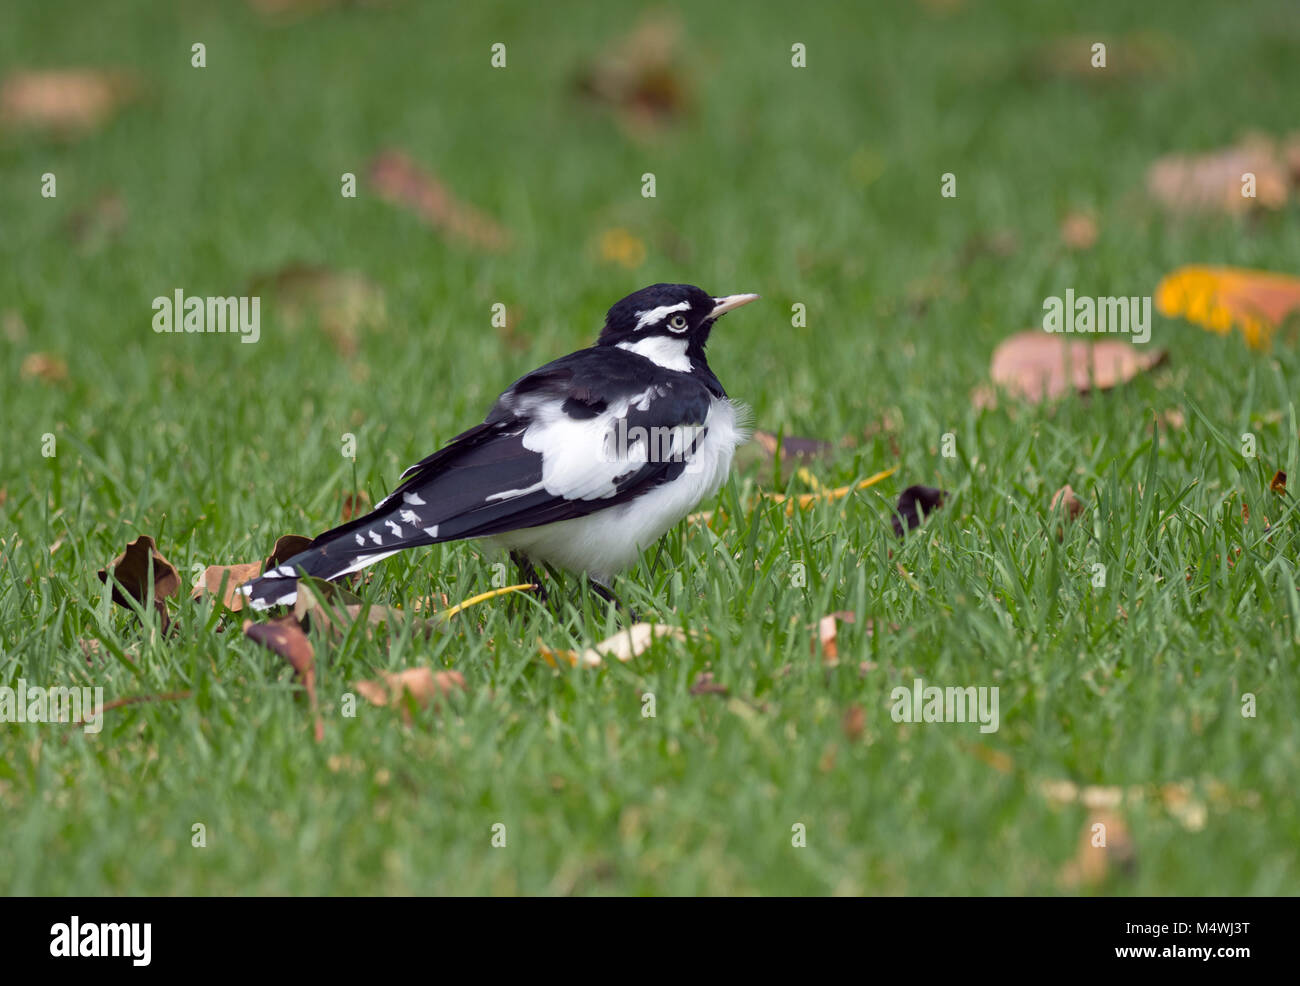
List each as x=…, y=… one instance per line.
x=1066, y=499
x=806, y=500
x=996, y=759
x=804, y=450
x=354, y=504
x=423, y=685
x=234, y=576
x=344, y=304
x=1278, y=483
x=854, y=722
x=68, y=102
x=284, y=636
x=1105, y=848
x=1079, y=231
x=1038, y=366
x=1214, y=181
x=827, y=639
x=398, y=179
x=623, y=646
x=286, y=546
x=43, y=366
x=706, y=684
x=1128, y=58
x=1217, y=298
x=642, y=77
x=130, y=569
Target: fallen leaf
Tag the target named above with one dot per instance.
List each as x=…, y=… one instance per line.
x=234, y=576
x=43, y=366
x=1105, y=849
x=68, y=102
x=1128, y=58
x=344, y=304
x=623, y=646
x=1038, y=366
x=803, y=449
x=705, y=684
x=996, y=759
x=131, y=573
x=354, y=504
x=854, y=722
x=284, y=636
x=1079, y=231
x=398, y=179
x=1069, y=502
x=1217, y=298
x=827, y=640
x=1278, y=482
x=423, y=685
x=642, y=76
x=1214, y=182
x=914, y=504
x=286, y=546
x=618, y=246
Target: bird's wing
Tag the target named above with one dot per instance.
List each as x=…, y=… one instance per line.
x=581, y=434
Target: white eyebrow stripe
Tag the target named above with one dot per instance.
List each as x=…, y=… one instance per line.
x=657, y=314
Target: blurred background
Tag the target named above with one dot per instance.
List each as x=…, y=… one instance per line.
x=522, y=185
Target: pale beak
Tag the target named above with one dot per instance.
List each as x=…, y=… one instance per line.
x=723, y=305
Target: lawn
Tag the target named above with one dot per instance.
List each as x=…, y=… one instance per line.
x=817, y=186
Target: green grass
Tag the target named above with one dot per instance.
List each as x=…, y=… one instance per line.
x=818, y=186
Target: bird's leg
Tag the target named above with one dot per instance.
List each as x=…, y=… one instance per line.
x=529, y=574
x=607, y=594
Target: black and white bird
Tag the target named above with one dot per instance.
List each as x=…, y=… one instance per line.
x=581, y=464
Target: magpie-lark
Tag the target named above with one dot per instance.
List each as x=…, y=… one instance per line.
x=581, y=464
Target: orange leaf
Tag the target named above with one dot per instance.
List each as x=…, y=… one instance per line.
x=400, y=180
x=1218, y=298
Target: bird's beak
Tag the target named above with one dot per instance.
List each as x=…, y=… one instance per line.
x=723, y=305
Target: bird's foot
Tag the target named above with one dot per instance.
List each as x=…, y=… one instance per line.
x=527, y=573
x=607, y=594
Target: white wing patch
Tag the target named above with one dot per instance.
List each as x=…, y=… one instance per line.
x=511, y=494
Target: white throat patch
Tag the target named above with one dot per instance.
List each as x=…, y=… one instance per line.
x=666, y=352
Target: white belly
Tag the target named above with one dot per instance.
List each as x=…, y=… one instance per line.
x=607, y=541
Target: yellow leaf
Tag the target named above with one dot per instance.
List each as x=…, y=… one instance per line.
x=1219, y=298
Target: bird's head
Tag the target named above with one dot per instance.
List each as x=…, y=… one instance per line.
x=667, y=318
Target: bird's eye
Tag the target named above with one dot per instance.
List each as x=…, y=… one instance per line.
x=677, y=323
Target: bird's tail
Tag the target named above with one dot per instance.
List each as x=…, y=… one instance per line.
x=334, y=554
